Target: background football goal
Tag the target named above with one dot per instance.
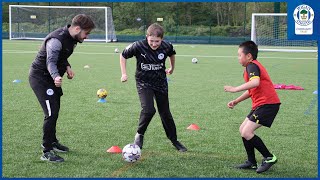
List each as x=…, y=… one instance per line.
x=269, y=31
x=35, y=22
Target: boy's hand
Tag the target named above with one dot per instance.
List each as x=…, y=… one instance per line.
x=124, y=78
x=231, y=104
x=169, y=71
x=229, y=89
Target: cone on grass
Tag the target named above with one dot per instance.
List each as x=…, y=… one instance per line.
x=194, y=127
x=102, y=100
x=114, y=149
x=16, y=81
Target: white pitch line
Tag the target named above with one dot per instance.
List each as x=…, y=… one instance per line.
x=198, y=56
x=106, y=45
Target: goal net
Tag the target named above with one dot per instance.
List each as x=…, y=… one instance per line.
x=35, y=22
x=269, y=32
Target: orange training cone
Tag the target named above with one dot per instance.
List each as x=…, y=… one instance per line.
x=114, y=149
x=194, y=127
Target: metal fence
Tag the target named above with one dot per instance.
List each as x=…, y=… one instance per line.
x=201, y=22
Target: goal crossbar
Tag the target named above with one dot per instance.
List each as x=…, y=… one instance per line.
x=35, y=22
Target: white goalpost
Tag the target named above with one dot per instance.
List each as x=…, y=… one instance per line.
x=269, y=32
x=35, y=22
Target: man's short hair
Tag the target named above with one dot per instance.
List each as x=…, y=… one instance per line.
x=83, y=21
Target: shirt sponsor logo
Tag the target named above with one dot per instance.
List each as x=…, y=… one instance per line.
x=151, y=67
x=50, y=92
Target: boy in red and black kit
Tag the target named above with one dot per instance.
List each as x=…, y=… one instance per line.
x=265, y=106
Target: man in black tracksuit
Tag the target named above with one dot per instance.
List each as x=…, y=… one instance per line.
x=151, y=81
x=46, y=74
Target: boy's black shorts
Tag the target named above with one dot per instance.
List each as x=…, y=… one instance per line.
x=264, y=114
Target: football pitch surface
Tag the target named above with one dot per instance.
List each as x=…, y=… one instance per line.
x=196, y=95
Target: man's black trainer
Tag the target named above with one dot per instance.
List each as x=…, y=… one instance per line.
x=57, y=147
x=51, y=157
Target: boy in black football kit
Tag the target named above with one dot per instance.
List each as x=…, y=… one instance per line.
x=46, y=74
x=151, y=81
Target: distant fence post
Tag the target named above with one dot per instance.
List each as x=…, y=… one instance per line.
x=177, y=22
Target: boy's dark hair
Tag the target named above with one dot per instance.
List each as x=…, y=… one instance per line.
x=155, y=30
x=83, y=21
x=250, y=47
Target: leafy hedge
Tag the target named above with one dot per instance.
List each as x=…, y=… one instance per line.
x=224, y=31
x=227, y=31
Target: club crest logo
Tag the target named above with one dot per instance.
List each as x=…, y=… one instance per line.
x=161, y=56
x=303, y=17
x=50, y=92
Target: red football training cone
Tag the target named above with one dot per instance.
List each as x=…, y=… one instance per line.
x=114, y=149
x=194, y=127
